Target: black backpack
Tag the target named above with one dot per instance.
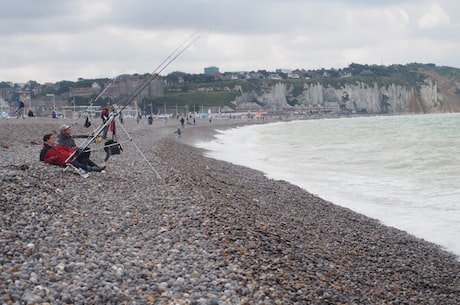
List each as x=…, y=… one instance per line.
x=112, y=147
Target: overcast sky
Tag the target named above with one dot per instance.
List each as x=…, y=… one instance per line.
x=53, y=40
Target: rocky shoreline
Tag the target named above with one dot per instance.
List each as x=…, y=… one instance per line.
x=207, y=232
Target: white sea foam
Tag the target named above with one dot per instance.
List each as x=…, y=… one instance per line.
x=402, y=170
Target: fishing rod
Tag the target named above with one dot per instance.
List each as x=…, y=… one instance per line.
x=80, y=113
x=163, y=65
x=154, y=75
x=141, y=153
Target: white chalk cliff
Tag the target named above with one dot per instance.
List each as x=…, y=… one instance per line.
x=427, y=97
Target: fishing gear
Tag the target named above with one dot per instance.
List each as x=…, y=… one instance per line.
x=140, y=152
x=80, y=113
x=154, y=75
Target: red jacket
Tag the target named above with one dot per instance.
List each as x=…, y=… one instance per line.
x=105, y=114
x=58, y=155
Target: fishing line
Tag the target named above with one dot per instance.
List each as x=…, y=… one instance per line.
x=141, y=153
x=163, y=65
x=155, y=74
x=80, y=113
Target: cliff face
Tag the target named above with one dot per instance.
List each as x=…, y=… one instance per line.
x=434, y=95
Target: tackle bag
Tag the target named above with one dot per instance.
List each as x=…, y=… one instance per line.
x=112, y=147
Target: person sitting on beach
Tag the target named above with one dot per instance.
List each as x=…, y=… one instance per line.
x=60, y=155
x=65, y=139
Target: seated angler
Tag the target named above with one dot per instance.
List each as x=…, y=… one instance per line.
x=65, y=139
x=60, y=155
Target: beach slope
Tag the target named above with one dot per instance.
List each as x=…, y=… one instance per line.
x=206, y=232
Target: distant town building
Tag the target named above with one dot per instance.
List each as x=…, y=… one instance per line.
x=285, y=71
x=275, y=76
x=122, y=87
x=211, y=70
x=84, y=91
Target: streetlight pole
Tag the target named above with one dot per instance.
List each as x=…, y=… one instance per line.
x=54, y=100
x=53, y=114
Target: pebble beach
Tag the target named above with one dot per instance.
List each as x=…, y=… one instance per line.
x=163, y=224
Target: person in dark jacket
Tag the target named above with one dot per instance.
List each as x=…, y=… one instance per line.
x=64, y=137
x=105, y=117
x=20, y=110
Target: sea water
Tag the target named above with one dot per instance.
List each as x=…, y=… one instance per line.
x=402, y=170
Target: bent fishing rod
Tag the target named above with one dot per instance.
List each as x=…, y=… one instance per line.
x=154, y=75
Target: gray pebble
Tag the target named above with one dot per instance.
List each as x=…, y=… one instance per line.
x=207, y=232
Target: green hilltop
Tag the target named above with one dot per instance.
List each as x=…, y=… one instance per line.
x=195, y=92
x=186, y=90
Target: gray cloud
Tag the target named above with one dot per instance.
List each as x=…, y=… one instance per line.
x=53, y=40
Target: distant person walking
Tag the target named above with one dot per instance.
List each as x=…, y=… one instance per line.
x=178, y=132
x=20, y=110
x=120, y=117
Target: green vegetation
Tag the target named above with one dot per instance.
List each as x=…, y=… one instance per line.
x=192, y=100
x=221, y=92
x=196, y=90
